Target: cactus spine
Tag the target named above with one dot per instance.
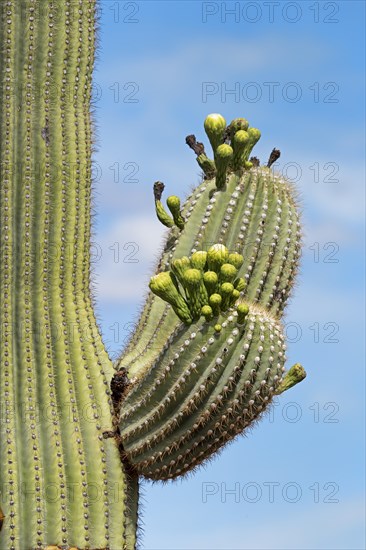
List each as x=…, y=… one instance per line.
x=208, y=353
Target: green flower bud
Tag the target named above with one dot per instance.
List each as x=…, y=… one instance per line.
x=173, y=203
x=207, y=165
x=215, y=126
x=206, y=311
x=195, y=290
x=179, y=267
x=217, y=255
x=234, y=297
x=218, y=328
x=240, y=145
x=162, y=215
x=211, y=280
x=226, y=290
x=243, y=311
x=236, y=260
x=163, y=286
x=215, y=302
x=192, y=278
x=223, y=156
x=254, y=136
x=227, y=273
x=240, y=284
x=292, y=377
x=237, y=125
x=198, y=259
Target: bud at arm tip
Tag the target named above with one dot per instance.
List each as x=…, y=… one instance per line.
x=292, y=377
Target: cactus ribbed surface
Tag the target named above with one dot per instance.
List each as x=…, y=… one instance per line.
x=208, y=353
x=61, y=482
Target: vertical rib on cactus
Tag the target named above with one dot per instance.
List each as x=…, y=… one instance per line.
x=62, y=483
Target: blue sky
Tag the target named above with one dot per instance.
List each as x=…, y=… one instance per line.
x=295, y=70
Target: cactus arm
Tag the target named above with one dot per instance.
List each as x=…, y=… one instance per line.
x=62, y=483
x=197, y=387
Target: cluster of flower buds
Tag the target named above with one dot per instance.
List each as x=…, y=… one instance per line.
x=204, y=284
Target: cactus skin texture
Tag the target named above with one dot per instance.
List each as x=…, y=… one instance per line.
x=208, y=353
x=61, y=482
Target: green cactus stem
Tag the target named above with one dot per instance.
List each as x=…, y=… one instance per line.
x=173, y=203
x=61, y=482
x=161, y=213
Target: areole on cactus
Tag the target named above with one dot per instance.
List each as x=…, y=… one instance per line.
x=208, y=353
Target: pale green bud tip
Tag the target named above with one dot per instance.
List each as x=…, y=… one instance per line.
x=226, y=288
x=192, y=277
x=182, y=262
x=292, y=377
x=206, y=311
x=217, y=328
x=198, y=259
x=215, y=299
x=173, y=203
x=163, y=286
x=254, y=134
x=240, y=284
x=235, y=295
x=215, y=302
x=236, y=259
x=228, y=272
x=210, y=277
x=180, y=265
x=161, y=282
x=241, y=138
x=224, y=152
x=226, y=291
x=243, y=311
x=217, y=255
x=215, y=123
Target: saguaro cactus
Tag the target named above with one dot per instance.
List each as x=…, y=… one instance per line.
x=207, y=355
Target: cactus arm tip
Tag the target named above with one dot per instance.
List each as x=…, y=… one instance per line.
x=292, y=377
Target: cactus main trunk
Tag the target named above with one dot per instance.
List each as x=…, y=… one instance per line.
x=62, y=483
